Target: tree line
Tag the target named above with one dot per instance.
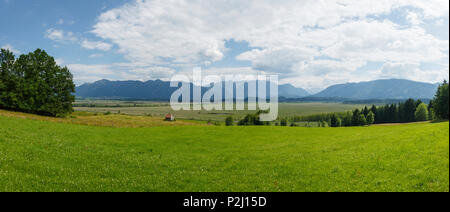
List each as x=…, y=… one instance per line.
x=403, y=112
x=34, y=83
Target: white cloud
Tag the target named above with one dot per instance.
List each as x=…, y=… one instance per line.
x=60, y=35
x=378, y=41
x=286, y=35
x=414, y=18
x=99, y=45
x=430, y=8
x=439, y=22
x=118, y=71
x=11, y=48
x=413, y=72
x=96, y=55
x=59, y=61
x=283, y=60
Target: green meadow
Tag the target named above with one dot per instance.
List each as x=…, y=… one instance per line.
x=40, y=155
x=159, y=109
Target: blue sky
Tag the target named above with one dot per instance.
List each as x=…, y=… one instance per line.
x=310, y=44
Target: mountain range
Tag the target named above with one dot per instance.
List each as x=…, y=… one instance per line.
x=161, y=90
x=381, y=89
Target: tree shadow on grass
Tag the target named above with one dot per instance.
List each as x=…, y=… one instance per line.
x=438, y=121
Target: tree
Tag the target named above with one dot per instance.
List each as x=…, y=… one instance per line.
x=418, y=102
x=365, y=111
x=441, y=102
x=407, y=111
x=334, y=120
x=347, y=120
x=370, y=118
x=362, y=120
x=421, y=113
x=430, y=110
x=355, y=118
x=374, y=110
x=33, y=83
x=393, y=113
x=284, y=122
x=8, y=83
x=229, y=121
x=339, y=122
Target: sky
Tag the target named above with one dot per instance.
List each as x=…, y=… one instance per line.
x=311, y=44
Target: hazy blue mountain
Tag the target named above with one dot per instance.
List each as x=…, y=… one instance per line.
x=154, y=90
x=289, y=91
x=381, y=89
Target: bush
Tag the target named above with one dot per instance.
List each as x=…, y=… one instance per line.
x=252, y=120
x=421, y=113
x=323, y=124
x=229, y=121
x=334, y=121
x=283, y=122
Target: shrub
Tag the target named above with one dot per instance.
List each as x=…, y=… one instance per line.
x=253, y=120
x=229, y=121
x=323, y=124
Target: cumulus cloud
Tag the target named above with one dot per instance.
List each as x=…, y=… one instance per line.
x=414, y=18
x=96, y=55
x=99, y=45
x=412, y=72
x=378, y=41
x=10, y=48
x=284, y=36
x=60, y=35
x=59, y=61
x=118, y=71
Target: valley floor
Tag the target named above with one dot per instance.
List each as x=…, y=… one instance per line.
x=41, y=155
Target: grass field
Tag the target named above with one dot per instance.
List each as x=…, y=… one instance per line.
x=37, y=155
x=111, y=120
x=158, y=109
